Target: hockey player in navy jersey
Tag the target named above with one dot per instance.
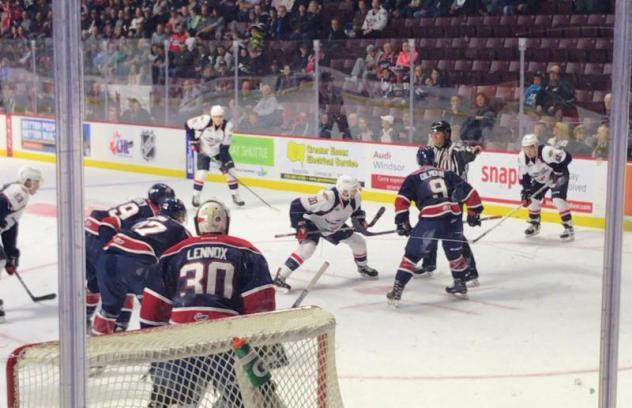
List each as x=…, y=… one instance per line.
x=102, y=225
x=210, y=136
x=325, y=215
x=127, y=261
x=13, y=200
x=212, y=276
x=542, y=165
x=437, y=194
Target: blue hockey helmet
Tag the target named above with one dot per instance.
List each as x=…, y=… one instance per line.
x=174, y=208
x=159, y=192
x=425, y=156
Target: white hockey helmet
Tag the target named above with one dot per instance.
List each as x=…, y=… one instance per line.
x=29, y=173
x=347, y=186
x=212, y=218
x=530, y=140
x=217, y=110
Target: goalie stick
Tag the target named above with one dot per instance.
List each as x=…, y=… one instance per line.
x=362, y=231
x=34, y=298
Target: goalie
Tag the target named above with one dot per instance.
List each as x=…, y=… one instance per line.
x=324, y=215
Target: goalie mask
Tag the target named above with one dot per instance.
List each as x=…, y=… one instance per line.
x=212, y=218
x=347, y=187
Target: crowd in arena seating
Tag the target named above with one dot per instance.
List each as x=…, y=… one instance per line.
x=187, y=47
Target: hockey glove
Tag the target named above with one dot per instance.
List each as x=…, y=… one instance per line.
x=359, y=221
x=404, y=228
x=225, y=166
x=525, y=196
x=12, y=262
x=473, y=218
x=302, y=230
x=195, y=146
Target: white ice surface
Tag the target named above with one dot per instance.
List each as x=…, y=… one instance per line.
x=528, y=337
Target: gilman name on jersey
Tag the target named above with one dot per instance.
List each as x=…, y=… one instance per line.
x=213, y=252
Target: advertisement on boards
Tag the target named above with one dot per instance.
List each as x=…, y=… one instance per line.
x=40, y=135
x=389, y=165
x=319, y=161
x=497, y=179
x=254, y=156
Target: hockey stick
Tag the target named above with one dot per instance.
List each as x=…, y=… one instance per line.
x=310, y=285
x=506, y=217
x=49, y=296
x=375, y=219
x=251, y=190
x=491, y=217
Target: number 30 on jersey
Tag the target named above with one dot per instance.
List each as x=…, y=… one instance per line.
x=214, y=278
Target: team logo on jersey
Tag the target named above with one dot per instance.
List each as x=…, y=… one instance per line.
x=148, y=145
x=120, y=146
x=199, y=316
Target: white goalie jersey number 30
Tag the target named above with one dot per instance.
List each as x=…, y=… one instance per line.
x=214, y=278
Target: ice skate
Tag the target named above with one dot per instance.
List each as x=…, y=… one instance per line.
x=471, y=278
x=367, y=272
x=532, y=230
x=458, y=288
x=281, y=284
x=195, y=200
x=424, y=270
x=395, y=295
x=568, y=234
x=237, y=200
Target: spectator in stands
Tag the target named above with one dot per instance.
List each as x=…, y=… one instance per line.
x=607, y=107
x=600, y=144
x=366, y=134
x=388, y=132
x=223, y=57
x=436, y=79
x=268, y=108
x=478, y=126
x=353, y=127
x=406, y=56
x=358, y=20
x=136, y=113
x=366, y=68
x=325, y=126
x=251, y=124
x=577, y=145
x=386, y=58
x=405, y=131
x=159, y=36
x=532, y=91
x=560, y=137
x=299, y=23
x=336, y=31
x=213, y=26
x=158, y=65
x=387, y=88
x=95, y=102
x=556, y=96
x=299, y=126
x=286, y=81
x=314, y=23
x=44, y=100
x=300, y=60
x=281, y=27
x=456, y=114
x=190, y=101
x=543, y=129
x=375, y=21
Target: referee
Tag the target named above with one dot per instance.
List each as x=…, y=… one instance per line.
x=453, y=157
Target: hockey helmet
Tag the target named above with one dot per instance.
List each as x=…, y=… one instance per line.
x=347, y=186
x=174, y=208
x=442, y=126
x=217, y=110
x=212, y=217
x=425, y=156
x=27, y=173
x=159, y=192
x=530, y=140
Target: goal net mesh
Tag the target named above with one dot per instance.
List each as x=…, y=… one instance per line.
x=193, y=365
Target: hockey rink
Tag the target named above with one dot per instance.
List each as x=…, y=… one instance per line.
x=527, y=337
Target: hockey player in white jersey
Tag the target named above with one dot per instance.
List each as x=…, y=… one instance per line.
x=210, y=136
x=13, y=200
x=324, y=215
x=542, y=165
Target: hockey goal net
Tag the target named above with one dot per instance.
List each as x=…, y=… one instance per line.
x=194, y=365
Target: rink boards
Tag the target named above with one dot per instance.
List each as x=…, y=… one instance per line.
x=305, y=165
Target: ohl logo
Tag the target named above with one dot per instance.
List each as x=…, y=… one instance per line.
x=120, y=146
